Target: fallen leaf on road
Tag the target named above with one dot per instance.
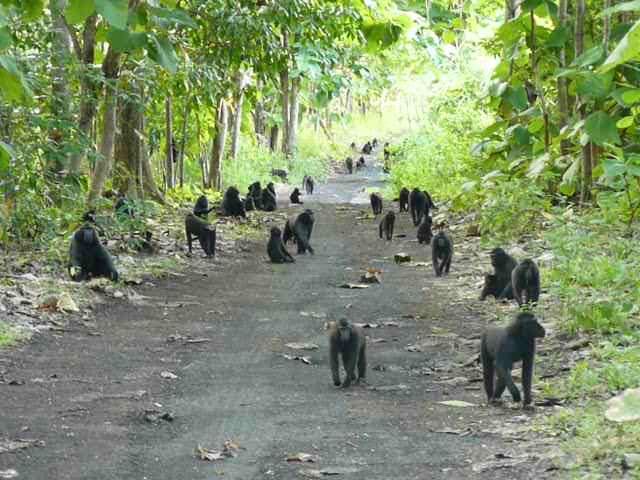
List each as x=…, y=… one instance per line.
x=19, y=444
x=229, y=449
x=391, y=324
x=402, y=258
x=327, y=472
x=462, y=433
x=377, y=340
x=457, y=403
x=306, y=360
x=168, y=375
x=11, y=473
x=390, y=388
x=367, y=325
x=500, y=463
x=372, y=275
x=303, y=457
x=353, y=285
x=302, y=346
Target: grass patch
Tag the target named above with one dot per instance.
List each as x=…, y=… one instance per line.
x=10, y=335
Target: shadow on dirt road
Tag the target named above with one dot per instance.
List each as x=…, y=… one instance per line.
x=223, y=329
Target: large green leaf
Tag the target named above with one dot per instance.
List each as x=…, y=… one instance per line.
x=124, y=41
x=161, y=51
x=517, y=97
x=558, y=37
x=32, y=8
x=79, y=10
x=6, y=154
x=589, y=57
x=593, y=85
x=631, y=96
x=627, y=49
x=601, y=128
x=632, y=6
x=178, y=16
x=116, y=12
x=12, y=82
x=5, y=38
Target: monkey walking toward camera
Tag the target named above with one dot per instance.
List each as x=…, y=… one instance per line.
x=386, y=225
x=501, y=347
x=347, y=340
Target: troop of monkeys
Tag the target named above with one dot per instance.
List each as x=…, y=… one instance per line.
x=367, y=149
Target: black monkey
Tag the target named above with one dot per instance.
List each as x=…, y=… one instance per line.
x=376, y=203
x=387, y=153
x=441, y=253
x=404, y=200
x=269, y=203
x=308, y=184
x=295, y=196
x=299, y=231
x=89, y=255
x=361, y=163
x=525, y=282
x=350, y=342
x=232, y=206
x=498, y=284
x=249, y=204
x=424, y=230
x=123, y=207
x=418, y=206
x=255, y=191
x=366, y=149
x=276, y=249
x=501, y=348
x=205, y=232
x=430, y=203
x=349, y=164
x=201, y=208
x=353, y=146
x=374, y=143
x=386, y=224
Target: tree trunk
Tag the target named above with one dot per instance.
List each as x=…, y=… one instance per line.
x=585, y=193
x=563, y=92
x=273, y=138
x=284, y=91
x=168, y=165
x=217, y=153
x=60, y=81
x=88, y=92
x=183, y=142
x=237, y=123
x=103, y=164
x=127, y=150
x=294, y=108
x=149, y=185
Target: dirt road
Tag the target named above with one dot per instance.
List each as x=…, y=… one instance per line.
x=84, y=391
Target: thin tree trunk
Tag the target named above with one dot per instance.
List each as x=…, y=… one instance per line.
x=585, y=193
x=215, y=169
x=170, y=177
x=127, y=150
x=284, y=90
x=237, y=123
x=88, y=91
x=563, y=92
x=183, y=142
x=294, y=108
x=273, y=138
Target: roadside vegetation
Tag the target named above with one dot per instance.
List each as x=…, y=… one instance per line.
x=522, y=118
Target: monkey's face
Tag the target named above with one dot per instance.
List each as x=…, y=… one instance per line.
x=498, y=257
x=275, y=232
x=530, y=326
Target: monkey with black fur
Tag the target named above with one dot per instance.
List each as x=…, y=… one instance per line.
x=275, y=248
x=255, y=191
x=498, y=284
x=525, y=282
x=88, y=255
x=308, y=184
x=418, y=206
x=203, y=231
x=500, y=348
x=424, y=230
x=386, y=225
x=441, y=253
x=295, y=196
x=349, y=165
x=376, y=203
x=201, y=208
x=232, y=206
x=349, y=341
x=404, y=200
x=269, y=202
x=299, y=231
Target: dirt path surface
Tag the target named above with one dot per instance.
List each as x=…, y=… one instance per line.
x=84, y=391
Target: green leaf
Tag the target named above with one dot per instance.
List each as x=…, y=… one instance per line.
x=627, y=49
x=5, y=38
x=161, y=51
x=521, y=135
x=593, y=85
x=613, y=168
x=601, y=128
x=12, y=83
x=6, y=154
x=510, y=32
x=79, y=10
x=624, y=122
x=631, y=96
x=116, y=12
x=589, y=57
x=529, y=5
x=517, y=97
x=633, y=6
x=124, y=41
x=32, y=8
x=179, y=17
x=558, y=37
x=536, y=125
